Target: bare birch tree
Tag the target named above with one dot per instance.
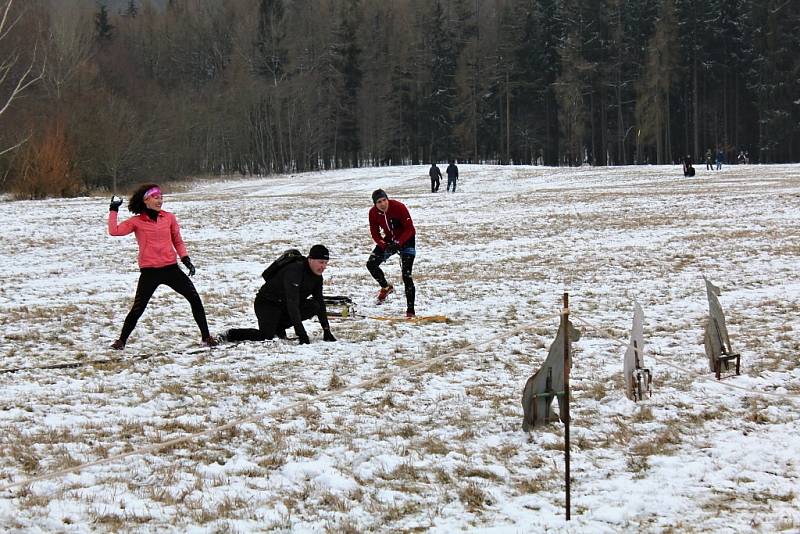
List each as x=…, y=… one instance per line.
x=18, y=71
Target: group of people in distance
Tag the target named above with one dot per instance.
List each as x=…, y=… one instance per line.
x=436, y=176
x=292, y=295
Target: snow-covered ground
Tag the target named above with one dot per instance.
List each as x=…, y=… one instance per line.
x=404, y=426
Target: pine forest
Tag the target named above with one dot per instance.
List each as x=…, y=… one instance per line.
x=96, y=95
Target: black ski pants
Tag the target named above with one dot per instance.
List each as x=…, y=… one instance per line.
x=407, y=256
x=175, y=278
x=273, y=320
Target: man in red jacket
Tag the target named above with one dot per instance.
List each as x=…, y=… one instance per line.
x=393, y=232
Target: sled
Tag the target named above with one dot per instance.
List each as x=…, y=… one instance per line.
x=339, y=306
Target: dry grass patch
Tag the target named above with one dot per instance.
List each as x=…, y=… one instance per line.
x=659, y=443
x=643, y=414
x=344, y=526
x=335, y=381
x=304, y=452
x=473, y=497
x=476, y=472
x=432, y=445
x=756, y=410
x=334, y=502
x=638, y=465
x=404, y=471
x=395, y=512
x=261, y=379
x=542, y=481
x=787, y=524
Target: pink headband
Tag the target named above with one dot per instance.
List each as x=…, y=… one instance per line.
x=153, y=191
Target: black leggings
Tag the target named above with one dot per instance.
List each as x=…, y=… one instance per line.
x=378, y=256
x=273, y=319
x=149, y=280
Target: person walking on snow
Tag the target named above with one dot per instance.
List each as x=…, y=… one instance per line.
x=393, y=232
x=436, y=176
x=452, y=175
x=160, y=244
x=709, y=160
x=283, y=301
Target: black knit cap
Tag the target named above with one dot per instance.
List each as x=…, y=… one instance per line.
x=318, y=252
x=379, y=194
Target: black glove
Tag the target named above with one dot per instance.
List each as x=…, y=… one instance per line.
x=116, y=202
x=391, y=247
x=188, y=263
x=303, y=339
x=327, y=336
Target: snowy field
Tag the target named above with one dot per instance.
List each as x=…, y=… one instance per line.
x=402, y=426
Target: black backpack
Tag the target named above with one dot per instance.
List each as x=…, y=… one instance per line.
x=288, y=256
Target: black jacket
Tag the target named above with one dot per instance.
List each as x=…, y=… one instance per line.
x=452, y=171
x=434, y=172
x=291, y=285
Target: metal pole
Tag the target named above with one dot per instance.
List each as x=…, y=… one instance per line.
x=565, y=324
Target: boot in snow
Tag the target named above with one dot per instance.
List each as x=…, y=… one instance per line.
x=385, y=292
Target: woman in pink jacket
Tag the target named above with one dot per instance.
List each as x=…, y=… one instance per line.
x=160, y=243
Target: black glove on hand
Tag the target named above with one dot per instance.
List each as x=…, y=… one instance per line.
x=116, y=202
x=327, y=336
x=304, y=339
x=188, y=263
x=391, y=247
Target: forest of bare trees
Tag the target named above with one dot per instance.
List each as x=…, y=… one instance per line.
x=100, y=94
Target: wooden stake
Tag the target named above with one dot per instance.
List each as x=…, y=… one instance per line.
x=565, y=324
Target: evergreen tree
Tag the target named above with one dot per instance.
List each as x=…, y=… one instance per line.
x=103, y=28
x=131, y=11
x=549, y=32
x=774, y=79
x=346, y=62
x=438, y=102
x=653, y=89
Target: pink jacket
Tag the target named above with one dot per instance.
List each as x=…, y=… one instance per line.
x=158, y=240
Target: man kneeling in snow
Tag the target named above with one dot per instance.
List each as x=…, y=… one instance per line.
x=284, y=301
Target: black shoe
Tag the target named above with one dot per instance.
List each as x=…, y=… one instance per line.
x=280, y=333
x=209, y=341
x=118, y=345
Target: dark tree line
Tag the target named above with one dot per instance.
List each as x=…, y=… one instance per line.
x=127, y=90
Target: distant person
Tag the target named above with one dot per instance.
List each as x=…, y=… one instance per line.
x=709, y=160
x=452, y=175
x=288, y=297
x=436, y=176
x=720, y=158
x=740, y=158
x=688, y=170
x=160, y=244
x=393, y=231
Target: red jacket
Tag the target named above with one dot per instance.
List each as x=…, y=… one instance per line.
x=158, y=240
x=393, y=225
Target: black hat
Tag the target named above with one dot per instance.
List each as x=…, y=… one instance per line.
x=318, y=252
x=379, y=194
